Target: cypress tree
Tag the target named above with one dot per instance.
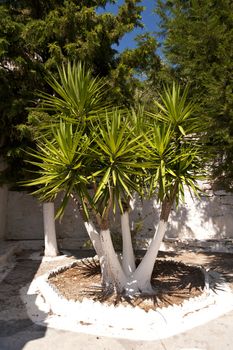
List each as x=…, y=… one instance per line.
x=198, y=38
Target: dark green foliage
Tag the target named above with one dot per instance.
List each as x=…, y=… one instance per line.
x=198, y=45
x=19, y=75
x=110, y=152
x=37, y=35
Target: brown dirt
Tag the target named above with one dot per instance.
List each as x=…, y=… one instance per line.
x=173, y=281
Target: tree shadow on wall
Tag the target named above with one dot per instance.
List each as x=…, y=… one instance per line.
x=209, y=217
x=215, y=213
x=178, y=221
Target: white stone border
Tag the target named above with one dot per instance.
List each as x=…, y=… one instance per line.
x=128, y=322
x=37, y=256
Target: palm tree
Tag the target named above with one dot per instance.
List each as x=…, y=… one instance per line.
x=103, y=156
x=177, y=159
x=77, y=95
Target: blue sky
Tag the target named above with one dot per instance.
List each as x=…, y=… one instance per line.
x=149, y=19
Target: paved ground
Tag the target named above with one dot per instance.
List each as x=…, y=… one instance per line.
x=18, y=332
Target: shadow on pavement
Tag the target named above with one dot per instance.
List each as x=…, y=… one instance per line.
x=222, y=263
x=16, y=328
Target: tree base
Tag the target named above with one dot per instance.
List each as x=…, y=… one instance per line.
x=171, y=283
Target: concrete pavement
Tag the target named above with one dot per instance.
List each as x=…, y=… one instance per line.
x=18, y=332
x=216, y=335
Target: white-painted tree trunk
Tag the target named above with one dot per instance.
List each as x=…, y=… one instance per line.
x=118, y=277
x=109, y=262
x=50, y=239
x=128, y=262
x=107, y=277
x=139, y=281
x=94, y=237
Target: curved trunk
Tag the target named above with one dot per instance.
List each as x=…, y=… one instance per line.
x=128, y=262
x=90, y=227
x=140, y=280
x=94, y=237
x=107, y=280
x=125, y=278
x=115, y=277
x=50, y=239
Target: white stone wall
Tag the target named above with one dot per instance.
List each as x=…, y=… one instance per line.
x=208, y=218
x=25, y=219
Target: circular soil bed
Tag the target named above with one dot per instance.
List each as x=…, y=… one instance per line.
x=173, y=281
